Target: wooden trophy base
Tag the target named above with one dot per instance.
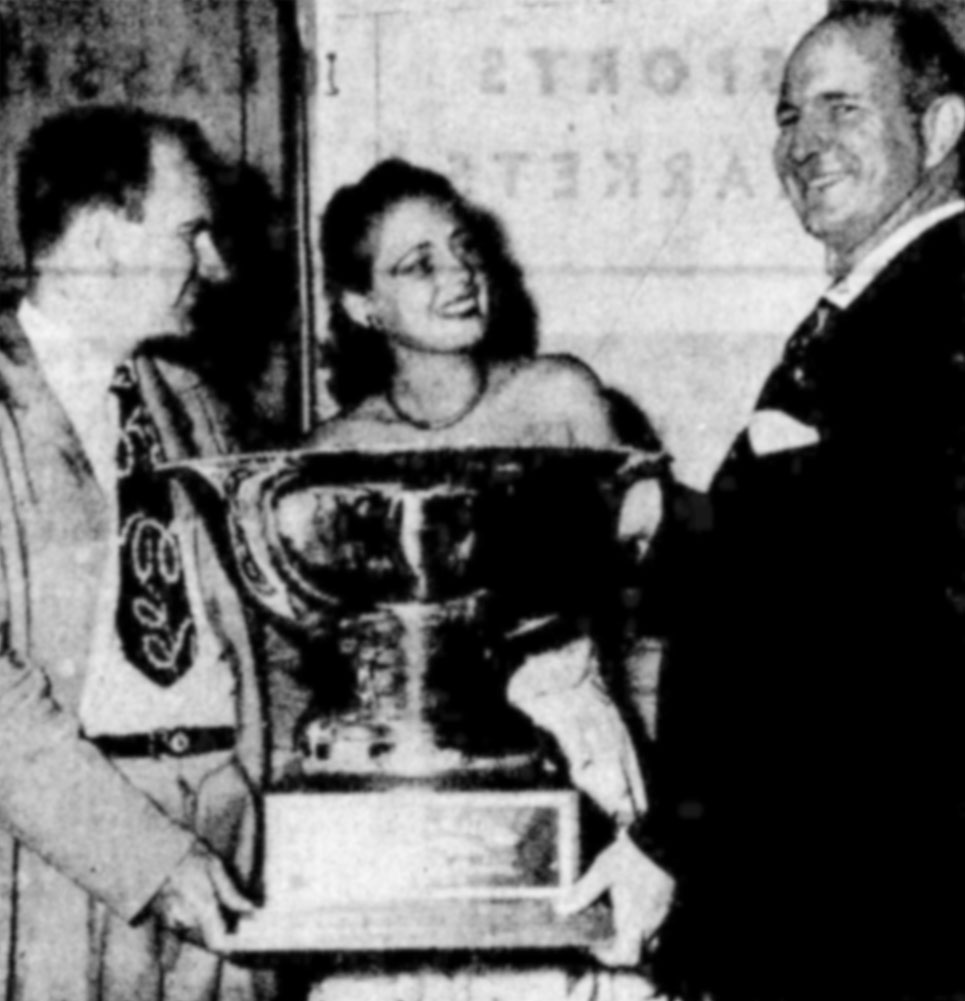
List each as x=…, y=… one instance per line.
x=418, y=869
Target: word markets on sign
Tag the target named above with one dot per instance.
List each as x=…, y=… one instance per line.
x=617, y=174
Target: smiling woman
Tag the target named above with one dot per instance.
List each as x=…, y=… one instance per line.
x=434, y=348
x=432, y=331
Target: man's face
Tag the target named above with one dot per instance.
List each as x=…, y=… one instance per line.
x=166, y=254
x=849, y=153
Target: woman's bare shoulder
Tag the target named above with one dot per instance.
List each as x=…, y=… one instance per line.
x=352, y=429
x=558, y=391
x=561, y=377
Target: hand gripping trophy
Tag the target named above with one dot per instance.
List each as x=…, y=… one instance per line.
x=426, y=809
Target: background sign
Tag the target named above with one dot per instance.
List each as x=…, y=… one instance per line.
x=626, y=148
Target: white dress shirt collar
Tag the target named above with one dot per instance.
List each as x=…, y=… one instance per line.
x=49, y=339
x=844, y=291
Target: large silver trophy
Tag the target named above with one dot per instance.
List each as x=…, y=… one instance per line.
x=424, y=811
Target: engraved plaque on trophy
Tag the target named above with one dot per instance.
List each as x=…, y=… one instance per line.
x=425, y=810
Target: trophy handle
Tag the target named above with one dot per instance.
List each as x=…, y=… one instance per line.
x=246, y=491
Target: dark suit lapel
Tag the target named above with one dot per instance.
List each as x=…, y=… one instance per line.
x=892, y=321
x=882, y=339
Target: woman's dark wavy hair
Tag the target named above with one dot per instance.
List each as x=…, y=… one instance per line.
x=360, y=360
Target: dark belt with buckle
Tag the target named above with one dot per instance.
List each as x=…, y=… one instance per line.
x=178, y=742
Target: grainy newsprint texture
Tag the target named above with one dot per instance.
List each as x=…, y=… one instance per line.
x=625, y=147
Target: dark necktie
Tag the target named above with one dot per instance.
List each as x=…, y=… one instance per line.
x=153, y=619
x=793, y=386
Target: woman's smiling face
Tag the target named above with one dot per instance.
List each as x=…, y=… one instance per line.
x=429, y=290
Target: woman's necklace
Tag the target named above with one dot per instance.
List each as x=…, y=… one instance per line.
x=439, y=424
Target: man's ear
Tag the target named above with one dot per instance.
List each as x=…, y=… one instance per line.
x=95, y=237
x=942, y=126
x=359, y=308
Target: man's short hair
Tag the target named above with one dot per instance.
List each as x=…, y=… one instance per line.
x=94, y=156
x=931, y=62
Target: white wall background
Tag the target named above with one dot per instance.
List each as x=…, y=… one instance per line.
x=625, y=144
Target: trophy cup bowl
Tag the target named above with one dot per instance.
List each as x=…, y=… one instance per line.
x=425, y=812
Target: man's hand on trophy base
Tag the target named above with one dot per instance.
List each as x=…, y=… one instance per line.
x=641, y=895
x=200, y=900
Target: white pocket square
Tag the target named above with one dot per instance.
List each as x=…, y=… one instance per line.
x=774, y=431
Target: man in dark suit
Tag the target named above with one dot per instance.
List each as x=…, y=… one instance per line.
x=810, y=789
